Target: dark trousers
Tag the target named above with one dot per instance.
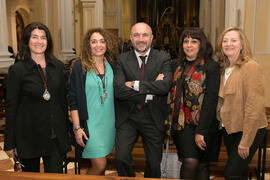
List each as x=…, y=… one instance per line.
x=52, y=163
x=236, y=167
x=139, y=124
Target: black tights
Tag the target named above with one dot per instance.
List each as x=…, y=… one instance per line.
x=192, y=169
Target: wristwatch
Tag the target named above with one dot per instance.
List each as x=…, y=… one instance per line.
x=132, y=84
x=76, y=128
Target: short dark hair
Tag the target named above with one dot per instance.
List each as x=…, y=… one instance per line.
x=206, y=49
x=24, y=50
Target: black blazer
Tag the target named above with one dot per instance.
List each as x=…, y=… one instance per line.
x=77, y=101
x=127, y=69
x=208, y=122
x=77, y=96
x=29, y=118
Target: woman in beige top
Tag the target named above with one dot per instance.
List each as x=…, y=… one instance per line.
x=241, y=101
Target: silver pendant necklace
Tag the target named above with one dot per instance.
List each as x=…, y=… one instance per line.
x=46, y=95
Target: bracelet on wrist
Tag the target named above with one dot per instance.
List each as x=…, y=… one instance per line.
x=76, y=128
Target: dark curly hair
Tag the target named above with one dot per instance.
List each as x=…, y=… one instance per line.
x=110, y=54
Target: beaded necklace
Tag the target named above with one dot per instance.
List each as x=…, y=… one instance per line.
x=103, y=95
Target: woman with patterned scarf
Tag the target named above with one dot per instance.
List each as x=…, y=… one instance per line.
x=192, y=104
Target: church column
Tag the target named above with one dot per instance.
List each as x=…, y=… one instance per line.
x=205, y=17
x=212, y=18
x=119, y=17
x=5, y=61
x=234, y=13
x=214, y=22
x=92, y=14
x=67, y=30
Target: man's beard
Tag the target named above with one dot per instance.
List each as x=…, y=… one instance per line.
x=142, y=50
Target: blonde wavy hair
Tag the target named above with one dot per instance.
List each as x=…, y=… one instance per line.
x=245, y=53
x=111, y=49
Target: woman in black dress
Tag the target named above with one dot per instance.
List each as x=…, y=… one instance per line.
x=192, y=103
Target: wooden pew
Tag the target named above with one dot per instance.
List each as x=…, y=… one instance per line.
x=70, y=157
x=3, y=80
x=263, y=161
x=51, y=176
x=258, y=165
x=216, y=168
x=137, y=155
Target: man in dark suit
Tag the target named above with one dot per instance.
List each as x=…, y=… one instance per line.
x=142, y=80
x=122, y=46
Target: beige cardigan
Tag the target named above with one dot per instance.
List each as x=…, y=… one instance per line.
x=242, y=101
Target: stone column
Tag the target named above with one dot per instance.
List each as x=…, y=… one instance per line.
x=212, y=18
x=234, y=13
x=66, y=30
x=5, y=61
x=205, y=17
x=92, y=14
x=214, y=22
x=128, y=17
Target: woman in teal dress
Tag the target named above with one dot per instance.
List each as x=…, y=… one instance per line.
x=92, y=99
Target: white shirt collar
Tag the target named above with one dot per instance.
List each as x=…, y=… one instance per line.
x=139, y=59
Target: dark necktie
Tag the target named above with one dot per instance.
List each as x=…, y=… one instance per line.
x=142, y=74
x=142, y=66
